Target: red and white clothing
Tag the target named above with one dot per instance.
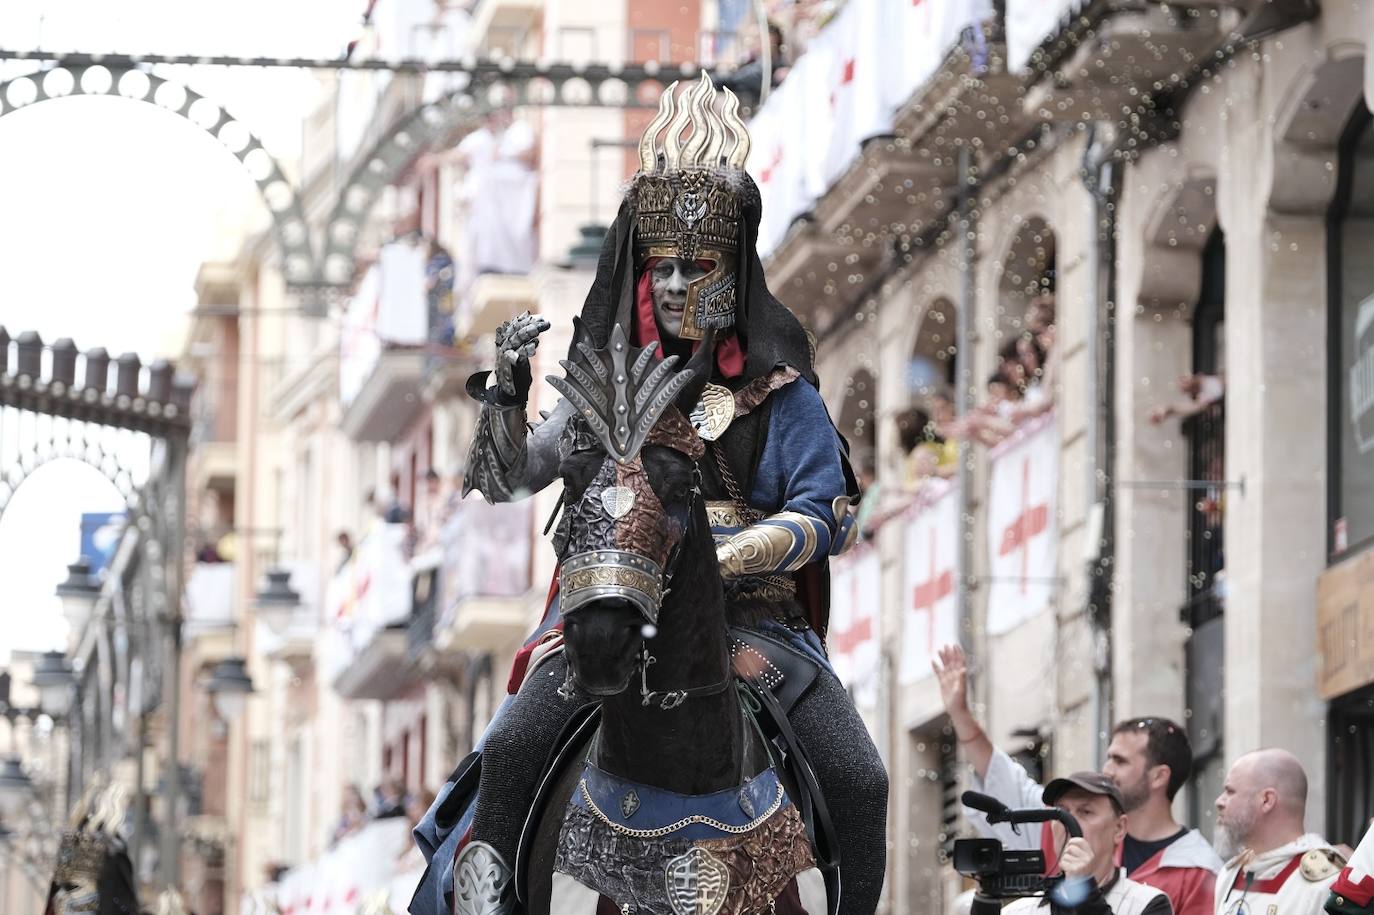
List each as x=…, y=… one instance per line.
x=1293, y=879
x=1185, y=871
x=1354, y=887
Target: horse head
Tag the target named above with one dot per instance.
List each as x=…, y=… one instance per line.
x=632, y=512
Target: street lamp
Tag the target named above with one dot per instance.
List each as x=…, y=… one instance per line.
x=277, y=601
x=79, y=593
x=54, y=678
x=229, y=685
x=15, y=788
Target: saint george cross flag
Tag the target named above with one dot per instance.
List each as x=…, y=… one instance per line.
x=930, y=578
x=1022, y=536
x=856, y=622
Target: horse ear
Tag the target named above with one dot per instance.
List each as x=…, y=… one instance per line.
x=700, y=366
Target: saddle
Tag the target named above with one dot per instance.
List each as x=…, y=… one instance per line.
x=775, y=675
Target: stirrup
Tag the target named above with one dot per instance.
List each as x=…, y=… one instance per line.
x=482, y=882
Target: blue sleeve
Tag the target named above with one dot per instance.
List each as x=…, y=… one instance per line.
x=801, y=468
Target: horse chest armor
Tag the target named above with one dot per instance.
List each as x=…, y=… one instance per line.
x=655, y=851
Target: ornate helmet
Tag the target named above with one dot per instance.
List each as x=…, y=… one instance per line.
x=687, y=197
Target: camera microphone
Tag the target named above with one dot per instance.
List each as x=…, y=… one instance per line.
x=976, y=800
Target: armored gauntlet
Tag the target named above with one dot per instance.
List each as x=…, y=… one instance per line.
x=498, y=457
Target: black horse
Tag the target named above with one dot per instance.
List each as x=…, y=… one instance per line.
x=653, y=650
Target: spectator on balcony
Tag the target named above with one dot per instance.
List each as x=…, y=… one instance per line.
x=499, y=194
x=995, y=418
x=345, y=542
x=1199, y=392
x=929, y=439
x=354, y=813
x=746, y=80
x=389, y=800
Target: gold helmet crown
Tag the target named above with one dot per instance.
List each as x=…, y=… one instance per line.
x=687, y=201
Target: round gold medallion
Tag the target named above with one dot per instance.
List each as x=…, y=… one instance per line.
x=714, y=412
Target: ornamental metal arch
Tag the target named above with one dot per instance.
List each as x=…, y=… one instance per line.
x=318, y=273
x=484, y=87
x=123, y=78
x=132, y=423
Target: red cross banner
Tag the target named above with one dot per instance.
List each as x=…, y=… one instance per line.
x=930, y=578
x=1022, y=537
x=845, y=89
x=855, y=622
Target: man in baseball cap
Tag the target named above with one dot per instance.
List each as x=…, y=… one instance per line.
x=1093, y=883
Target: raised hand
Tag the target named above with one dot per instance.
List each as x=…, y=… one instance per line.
x=516, y=341
x=951, y=669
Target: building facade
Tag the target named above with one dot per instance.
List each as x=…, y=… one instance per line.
x=1181, y=190
x=1109, y=561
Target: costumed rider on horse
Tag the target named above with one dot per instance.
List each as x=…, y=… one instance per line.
x=680, y=270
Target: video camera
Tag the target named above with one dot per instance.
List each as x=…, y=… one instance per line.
x=1002, y=873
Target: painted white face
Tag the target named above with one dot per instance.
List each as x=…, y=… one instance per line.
x=668, y=284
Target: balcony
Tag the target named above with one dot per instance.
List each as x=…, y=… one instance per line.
x=502, y=27
x=1110, y=59
x=497, y=297
x=381, y=347
x=364, y=651
x=486, y=625
x=389, y=399
x=484, y=601
x=900, y=183
x=381, y=669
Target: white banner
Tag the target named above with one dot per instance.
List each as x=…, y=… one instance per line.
x=389, y=308
x=930, y=580
x=1029, y=23
x=845, y=89
x=358, y=873
x=856, y=622
x=1022, y=534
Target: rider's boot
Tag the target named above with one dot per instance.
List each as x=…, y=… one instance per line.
x=482, y=882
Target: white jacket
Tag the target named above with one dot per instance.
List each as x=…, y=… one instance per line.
x=1293, y=879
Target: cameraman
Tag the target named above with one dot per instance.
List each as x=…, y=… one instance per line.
x=1093, y=884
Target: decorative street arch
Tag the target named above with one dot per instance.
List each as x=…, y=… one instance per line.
x=128, y=81
x=316, y=272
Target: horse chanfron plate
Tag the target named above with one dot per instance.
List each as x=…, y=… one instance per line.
x=698, y=882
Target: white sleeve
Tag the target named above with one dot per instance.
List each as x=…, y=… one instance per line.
x=1008, y=782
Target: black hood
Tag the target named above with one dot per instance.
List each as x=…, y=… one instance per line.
x=771, y=335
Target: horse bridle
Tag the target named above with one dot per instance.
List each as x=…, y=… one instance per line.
x=667, y=699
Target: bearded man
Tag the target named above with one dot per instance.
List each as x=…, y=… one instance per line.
x=1272, y=863
x=680, y=267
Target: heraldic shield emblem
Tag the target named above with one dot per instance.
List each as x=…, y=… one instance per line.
x=697, y=883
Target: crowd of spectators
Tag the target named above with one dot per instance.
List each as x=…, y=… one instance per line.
x=389, y=799
x=791, y=26
x=1021, y=388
